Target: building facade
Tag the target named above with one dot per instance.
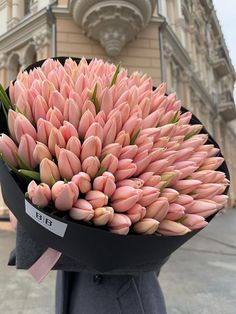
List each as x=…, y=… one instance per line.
x=176, y=41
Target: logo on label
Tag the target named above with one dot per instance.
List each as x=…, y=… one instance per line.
x=51, y=224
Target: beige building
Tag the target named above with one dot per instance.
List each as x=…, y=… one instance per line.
x=177, y=41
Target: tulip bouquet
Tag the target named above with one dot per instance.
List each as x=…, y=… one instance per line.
x=96, y=146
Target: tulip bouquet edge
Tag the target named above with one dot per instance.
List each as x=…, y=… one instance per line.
x=51, y=239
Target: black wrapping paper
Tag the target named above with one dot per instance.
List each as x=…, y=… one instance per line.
x=97, y=249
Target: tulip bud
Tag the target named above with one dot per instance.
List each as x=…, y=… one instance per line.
x=119, y=224
x=68, y=131
x=91, y=166
x=104, y=184
x=64, y=195
x=150, y=195
x=92, y=146
x=126, y=168
x=113, y=149
x=55, y=138
x=40, y=108
x=158, y=209
x=40, y=152
x=135, y=183
x=110, y=163
x=26, y=149
x=82, y=210
x=95, y=129
x=49, y=172
x=96, y=198
x=102, y=215
x=194, y=222
x=124, y=198
x=170, y=194
x=123, y=138
x=23, y=126
x=86, y=120
x=9, y=150
x=146, y=226
x=43, y=130
x=40, y=195
x=74, y=145
x=55, y=117
x=83, y=182
x=172, y=228
x=68, y=164
x=136, y=213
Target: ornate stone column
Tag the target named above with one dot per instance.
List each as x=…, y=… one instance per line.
x=112, y=23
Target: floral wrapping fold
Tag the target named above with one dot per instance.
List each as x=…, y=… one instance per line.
x=109, y=158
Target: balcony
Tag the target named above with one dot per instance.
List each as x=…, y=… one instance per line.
x=226, y=107
x=220, y=63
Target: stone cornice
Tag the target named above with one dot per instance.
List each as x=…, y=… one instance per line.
x=23, y=31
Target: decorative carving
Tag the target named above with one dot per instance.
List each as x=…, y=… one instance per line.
x=3, y=60
x=41, y=39
x=113, y=23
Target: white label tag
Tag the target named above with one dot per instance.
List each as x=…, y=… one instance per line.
x=53, y=225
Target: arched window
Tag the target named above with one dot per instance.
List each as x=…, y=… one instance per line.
x=13, y=67
x=30, y=55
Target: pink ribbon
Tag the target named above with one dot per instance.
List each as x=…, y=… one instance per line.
x=40, y=269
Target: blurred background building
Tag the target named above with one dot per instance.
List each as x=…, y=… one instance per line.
x=176, y=41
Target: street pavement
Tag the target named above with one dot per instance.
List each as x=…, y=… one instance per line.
x=199, y=278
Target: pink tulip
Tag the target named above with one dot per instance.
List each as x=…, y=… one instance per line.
x=195, y=141
x=157, y=166
x=86, y=120
x=8, y=149
x=100, y=118
x=110, y=163
x=40, y=152
x=126, y=168
x=184, y=199
x=11, y=123
x=186, y=186
x=43, y=130
x=135, y=183
x=123, y=138
x=151, y=120
x=95, y=129
x=145, y=107
x=200, y=207
x=68, y=130
x=109, y=131
x=74, y=145
x=184, y=154
x=119, y=224
x=26, y=149
x=71, y=112
x=220, y=199
x=194, y=222
x=146, y=226
x=175, y=211
x=92, y=146
x=89, y=105
x=104, y=184
x=102, y=215
x=83, y=182
x=23, y=126
x=210, y=149
x=91, y=166
x=40, y=108
x=49, y=172
x=82, y=210
x=40, y=195
x=55, y=138
x=208, y=190
x=212, y=163
x=158, y=209
x=150, y=195
x=172, y=228
x=96, y=198
x=114, y=149
x=107, y=101
x=68, y=164
x=136, y=213
x=64, y=195
x=128, y=152
x=55, y=117
x=124, y=198
x=23, y=106
x=170, y=194
x=56, y=100
x=132, y=125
